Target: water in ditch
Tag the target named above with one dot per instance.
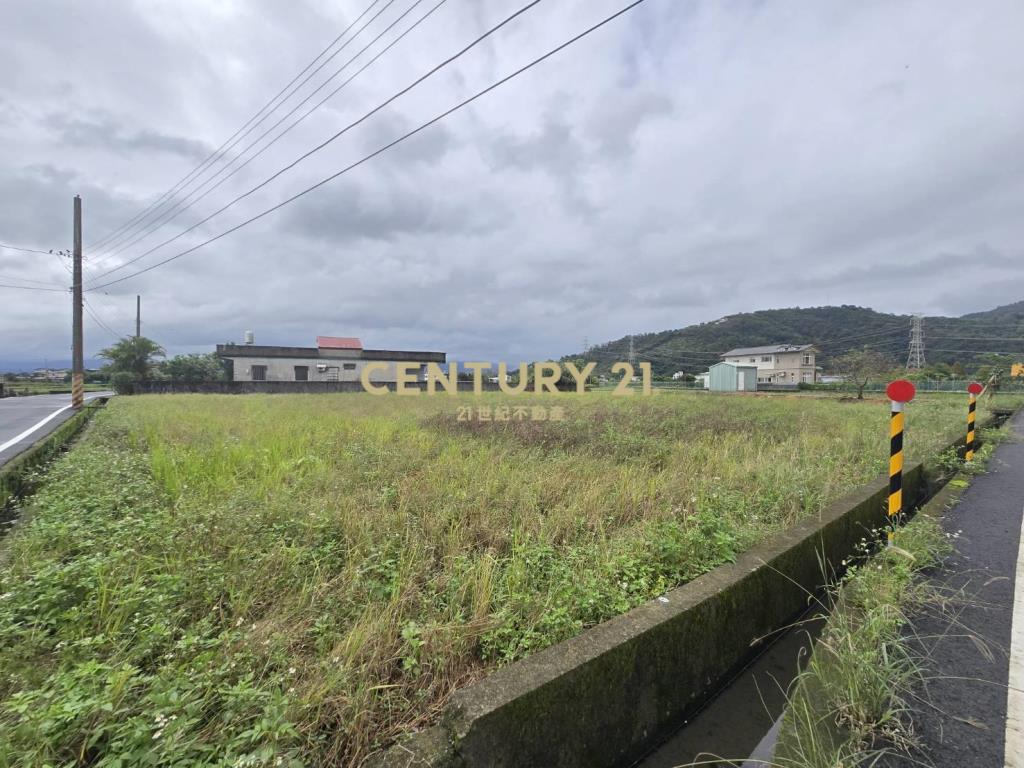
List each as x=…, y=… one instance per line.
x=738, y=726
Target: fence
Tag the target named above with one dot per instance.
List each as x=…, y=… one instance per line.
x=924, y=385
x=275, y=387
x=927, y=385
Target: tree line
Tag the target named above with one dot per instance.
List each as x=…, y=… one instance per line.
x=136, y=359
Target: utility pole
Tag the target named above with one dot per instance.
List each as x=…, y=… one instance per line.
x=138, y=316
x=915, y=357
x=632, y=351
x=77, y=356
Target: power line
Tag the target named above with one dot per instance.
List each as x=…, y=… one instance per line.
x=400, y=139
x=61, y=260
x=30, y=280
x=155, y=225
x=184, y=204
x=216, y=154
x=33, y=288
x=96, y=318
x=976, y=338
x=829, y=342
x=981, y=351
x=351, y=125
x=24, y=250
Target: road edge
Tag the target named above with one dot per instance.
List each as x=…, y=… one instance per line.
x=14, y=475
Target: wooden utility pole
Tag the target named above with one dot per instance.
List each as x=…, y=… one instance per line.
x=138, y=316
x=77, y=356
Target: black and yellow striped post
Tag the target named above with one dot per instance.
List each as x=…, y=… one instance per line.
x=77, y=390
x=900, y=392
x=973, y=390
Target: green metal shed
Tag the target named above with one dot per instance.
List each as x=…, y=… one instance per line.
x=731, y=377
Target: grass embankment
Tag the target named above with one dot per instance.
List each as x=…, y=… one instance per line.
x=851, y=706
x=20, y=387
x=20, y=475
x=268, y=580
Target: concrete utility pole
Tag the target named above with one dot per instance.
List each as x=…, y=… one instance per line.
x=77, y=356
x=138, y=316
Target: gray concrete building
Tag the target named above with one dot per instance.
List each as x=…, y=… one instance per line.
x=332, y=359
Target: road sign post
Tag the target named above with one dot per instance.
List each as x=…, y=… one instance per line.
x=973, y=390
x=900, y=392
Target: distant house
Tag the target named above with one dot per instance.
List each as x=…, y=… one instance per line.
x=332, y=359
x=732, y=377
x=830, y=378
x=778, y=363
x=50, y=374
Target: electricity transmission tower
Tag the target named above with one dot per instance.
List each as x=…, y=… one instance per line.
x=632, y=351
x=915, y=358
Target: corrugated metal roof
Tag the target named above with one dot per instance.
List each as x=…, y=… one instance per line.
x=338, y=342
x=733, y=365
x=768, y=350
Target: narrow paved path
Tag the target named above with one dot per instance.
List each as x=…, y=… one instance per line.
x=26, y=420
x=961, y=717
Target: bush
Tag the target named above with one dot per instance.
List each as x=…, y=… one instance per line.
x=123, y=382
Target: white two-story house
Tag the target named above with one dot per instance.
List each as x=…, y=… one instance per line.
x=778, y=363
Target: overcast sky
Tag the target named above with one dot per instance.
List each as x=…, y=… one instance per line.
x=689, y=160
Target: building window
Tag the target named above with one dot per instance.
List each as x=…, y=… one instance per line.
x=259, y=373
x=350, y=366
x=807, y=359
x=766, y=358
x=302, y=373
x=753, y=359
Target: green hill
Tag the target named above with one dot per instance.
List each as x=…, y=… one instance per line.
x=971, y=340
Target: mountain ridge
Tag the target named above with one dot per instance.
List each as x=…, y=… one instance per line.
x=970, y=340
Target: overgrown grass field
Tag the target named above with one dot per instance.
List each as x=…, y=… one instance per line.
x=295, y=580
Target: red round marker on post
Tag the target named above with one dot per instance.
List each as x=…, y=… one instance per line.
x=900, y=392
x=975, y=388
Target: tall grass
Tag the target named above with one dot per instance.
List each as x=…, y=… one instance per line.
x=271, y=580
x=850, y=706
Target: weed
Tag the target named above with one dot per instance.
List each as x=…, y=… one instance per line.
x=274, y=580
x=849, y=706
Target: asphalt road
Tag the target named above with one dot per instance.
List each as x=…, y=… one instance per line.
x=960, y=717
x=19, y=415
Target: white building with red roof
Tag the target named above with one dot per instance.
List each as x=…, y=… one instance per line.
x=334, y=358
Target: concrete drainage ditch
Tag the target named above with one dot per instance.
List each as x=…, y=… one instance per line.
x=611, y=695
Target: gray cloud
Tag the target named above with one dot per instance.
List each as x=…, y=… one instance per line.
x=352, y=212
x=104, y=132
x=689, y=161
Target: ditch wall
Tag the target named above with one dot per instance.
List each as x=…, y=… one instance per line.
x=605, y=698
